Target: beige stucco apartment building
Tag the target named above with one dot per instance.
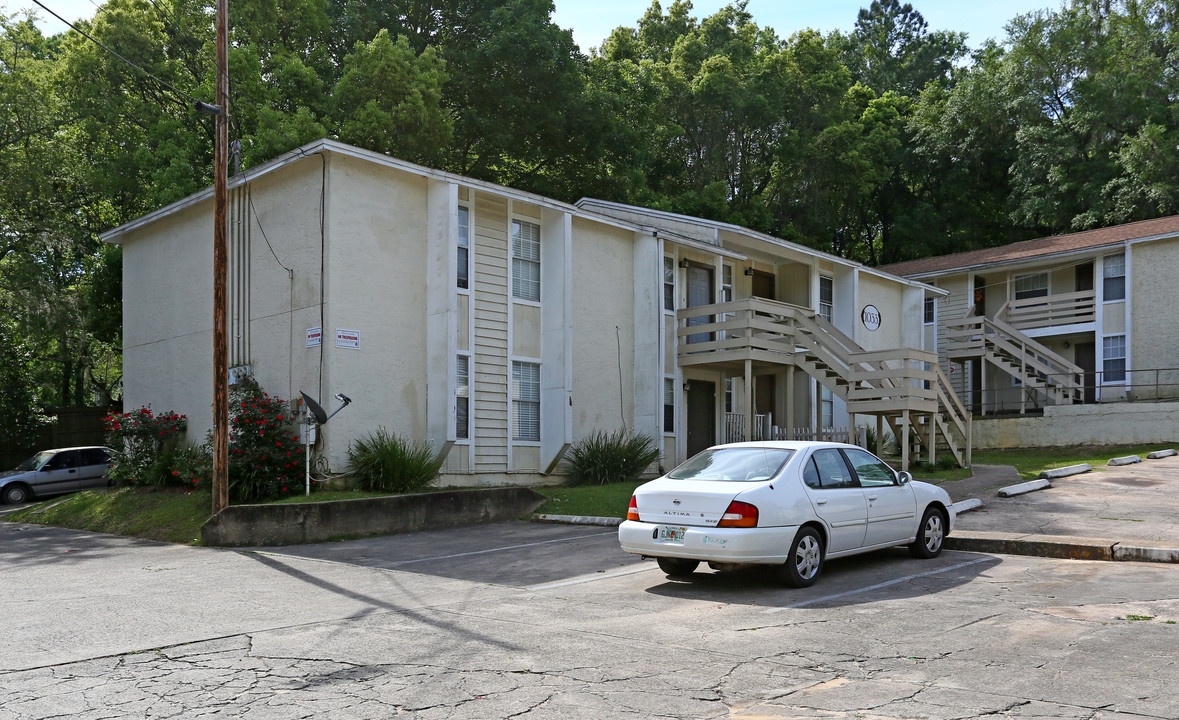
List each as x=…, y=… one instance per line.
x=502, y=326
x=1077, y=327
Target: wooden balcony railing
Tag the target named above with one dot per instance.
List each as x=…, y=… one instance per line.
x=1050, y=311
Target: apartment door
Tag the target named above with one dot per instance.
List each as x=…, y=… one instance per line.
x=701, y=291
x=980, y=296
x=765, y=285
x=1085, y=356
x=1084, y=277
x=701, y=397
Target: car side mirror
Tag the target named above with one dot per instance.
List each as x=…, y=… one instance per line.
x=904, y=478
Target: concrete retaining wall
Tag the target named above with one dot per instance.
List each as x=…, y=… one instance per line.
x=1064, y=425
x=255, y=525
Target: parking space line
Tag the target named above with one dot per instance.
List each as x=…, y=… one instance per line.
x=591, y=578
x=877, y=586
x=498, y=549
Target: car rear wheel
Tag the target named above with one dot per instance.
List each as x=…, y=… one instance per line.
x=16, y=494
x=677, y=567
x=805, y=561
x=930, y=536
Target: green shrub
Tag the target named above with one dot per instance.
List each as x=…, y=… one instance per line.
x=386, y=462
x=145, y=446
x=603, y=457
x=888, y=447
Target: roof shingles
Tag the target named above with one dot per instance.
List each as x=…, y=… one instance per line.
x=1031, y=249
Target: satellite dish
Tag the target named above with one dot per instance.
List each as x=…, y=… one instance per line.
x=316, y=411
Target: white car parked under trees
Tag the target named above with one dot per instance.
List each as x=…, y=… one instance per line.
x=788, y=505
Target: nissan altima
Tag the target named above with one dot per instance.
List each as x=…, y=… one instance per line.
x=787, y=505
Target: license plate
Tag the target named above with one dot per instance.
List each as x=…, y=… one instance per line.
x=670, y=534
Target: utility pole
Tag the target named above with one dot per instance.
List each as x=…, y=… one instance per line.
x=220, y=271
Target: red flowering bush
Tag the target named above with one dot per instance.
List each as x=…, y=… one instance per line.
x=265, y=457
x=145, y=446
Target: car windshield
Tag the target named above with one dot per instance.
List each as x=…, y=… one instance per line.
x=747, y=464
x=36, y=461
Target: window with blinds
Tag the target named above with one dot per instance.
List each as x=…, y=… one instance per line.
x=826, y=297
x=668, y=284
x=525, y=401
x=525, y=260
x=464, y=247
x=1113, y=280
x=462, y=402
x=668, y=405
x=1113, y=353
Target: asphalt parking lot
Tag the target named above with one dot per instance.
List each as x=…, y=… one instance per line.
x=542, y=621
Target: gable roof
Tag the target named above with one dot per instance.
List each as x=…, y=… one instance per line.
x=1039, y=248
x=664, y=220
x=326, y=146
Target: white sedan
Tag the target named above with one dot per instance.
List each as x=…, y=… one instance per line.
x=789, y=505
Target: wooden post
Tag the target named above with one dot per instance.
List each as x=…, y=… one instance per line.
x=220, y=272
x=748, y=400
x=904, y=440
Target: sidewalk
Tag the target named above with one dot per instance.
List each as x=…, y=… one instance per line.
x=1113, y=513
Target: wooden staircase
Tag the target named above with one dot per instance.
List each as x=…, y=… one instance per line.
x=1045, y=378
x=902, y=387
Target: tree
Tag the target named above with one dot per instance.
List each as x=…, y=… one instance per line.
x=389, y=99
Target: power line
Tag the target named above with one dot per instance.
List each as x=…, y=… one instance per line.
x=89, y=37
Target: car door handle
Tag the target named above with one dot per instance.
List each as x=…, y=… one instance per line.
x=72, y=471
x=872, y=498
x=820, y=502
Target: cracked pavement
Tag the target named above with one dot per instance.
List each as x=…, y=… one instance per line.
x=556, y=622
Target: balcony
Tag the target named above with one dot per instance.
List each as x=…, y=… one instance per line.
x=1059, y=310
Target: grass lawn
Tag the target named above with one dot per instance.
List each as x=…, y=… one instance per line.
x=610, y=500
x=170, y=515
x=167, y=514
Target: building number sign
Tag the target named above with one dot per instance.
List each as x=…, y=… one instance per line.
x=870, y=316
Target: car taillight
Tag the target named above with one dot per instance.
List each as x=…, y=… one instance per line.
x=739, y=514
x=632, y=513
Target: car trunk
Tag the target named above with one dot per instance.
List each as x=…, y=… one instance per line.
x=687, y=502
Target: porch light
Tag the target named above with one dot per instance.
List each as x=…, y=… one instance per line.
x=749, y=271
x=684, y=263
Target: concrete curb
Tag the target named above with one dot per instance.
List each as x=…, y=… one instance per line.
x=1161, y=454
x=1059, y=546
x=1127, y=460
x=1066, y=471
x=577, y=520
x=965, y=505
x=1024, y=488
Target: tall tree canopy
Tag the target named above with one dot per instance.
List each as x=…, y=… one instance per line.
x=885, y=143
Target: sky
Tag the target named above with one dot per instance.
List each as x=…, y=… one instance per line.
x=593, y=21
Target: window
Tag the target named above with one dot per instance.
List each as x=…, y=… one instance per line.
x=1031, y=286
x=62, y=460
x=668, y=405
x=464, y=247
x=1113, y=353
x=728, y=395
x=462, y=391
x=930, y=311
x=525, y=401
x=831, y=469
x=93, y=456
x=726, y=283
x=826, y=407
x=826, y=297
x=525, y=260
x=668, y=283
x=871, y=471
x=1113, y=273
